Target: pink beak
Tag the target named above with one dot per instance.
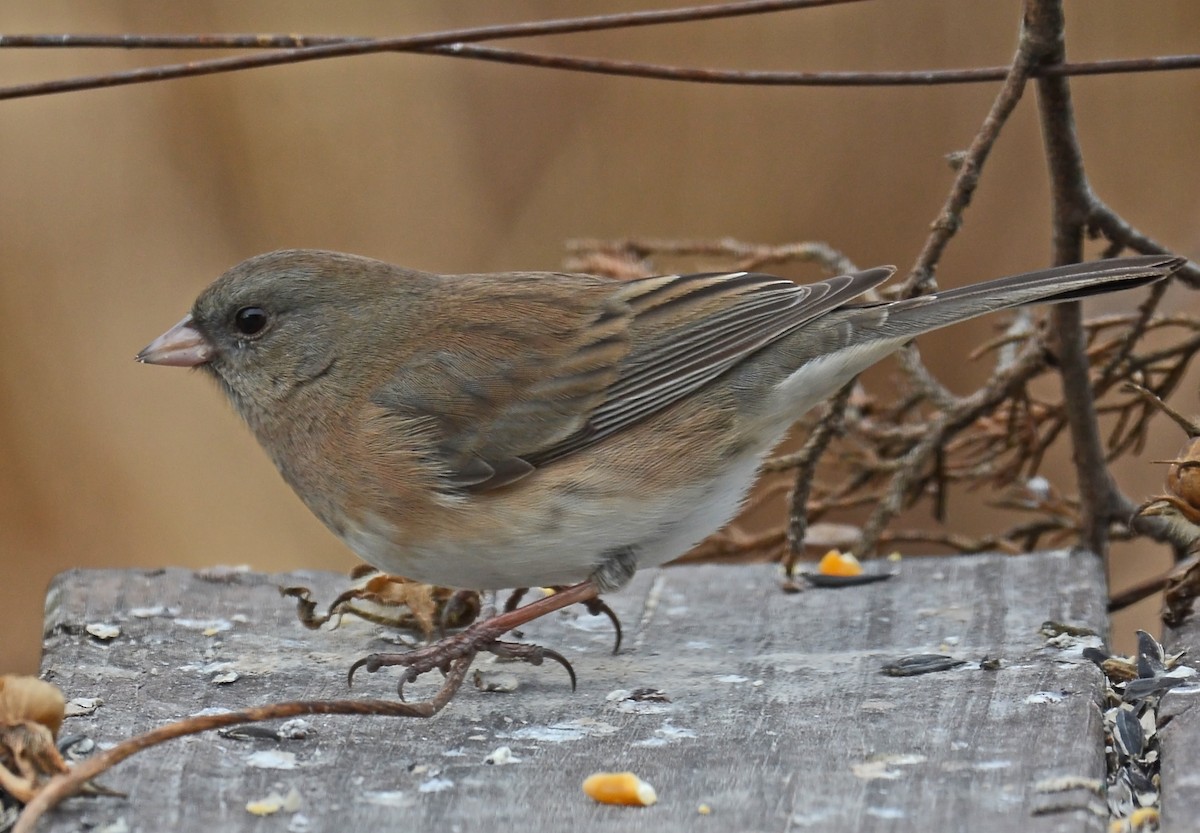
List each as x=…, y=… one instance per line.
x=181, y=346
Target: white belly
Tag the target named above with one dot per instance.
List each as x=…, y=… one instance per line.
x=511, y=555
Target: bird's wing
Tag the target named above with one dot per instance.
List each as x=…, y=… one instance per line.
x=557, y=376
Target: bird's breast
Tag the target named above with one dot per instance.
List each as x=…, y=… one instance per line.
x=545, y=530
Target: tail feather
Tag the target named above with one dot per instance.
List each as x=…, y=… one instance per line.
x=914, y=316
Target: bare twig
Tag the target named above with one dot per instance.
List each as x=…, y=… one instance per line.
x=969, y=167
x=921, y=277
x=967, y=411
x=1104, y=220
x=66, y=785
x=461, y=49
x=766, y=78
x=1071, y=200
x=744, y=256
x=1134, y=334
x=966, y=544
x=806, y=467
x=1191, y=427
x=416, y=43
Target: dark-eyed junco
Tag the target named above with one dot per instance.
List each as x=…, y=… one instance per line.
x=532, y=429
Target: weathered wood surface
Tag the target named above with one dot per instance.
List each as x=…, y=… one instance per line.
x=779, y=716
x=1181, y=737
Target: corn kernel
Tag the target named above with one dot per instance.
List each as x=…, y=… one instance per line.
x=833, y=563
x=619, y=788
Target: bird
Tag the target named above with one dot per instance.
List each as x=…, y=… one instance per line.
x=527, y=429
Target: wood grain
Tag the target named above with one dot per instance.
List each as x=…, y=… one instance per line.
x=1181, y=737
x=779, y=716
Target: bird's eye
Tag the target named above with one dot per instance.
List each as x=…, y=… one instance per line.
x=250, y=320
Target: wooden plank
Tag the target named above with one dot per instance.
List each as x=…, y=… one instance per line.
x=1180, y=770
x=779, y=716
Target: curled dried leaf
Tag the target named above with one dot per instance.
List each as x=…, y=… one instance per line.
x=1183, y=478
x=392, y=601
x=31, y=712
x=25, y=698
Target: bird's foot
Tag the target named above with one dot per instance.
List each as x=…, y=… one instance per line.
x=461, y=648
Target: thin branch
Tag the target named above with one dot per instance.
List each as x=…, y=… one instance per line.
x=921, y=275
x=414, y=43
x=828, y=78
x=967, y=178
x=66, y=785
x=922, y=380
x=635, y=69
x=1104, y=220
x=1191, y=427
x=967, y=544
x=1134, y=334
x=1139, y=591
x=1071, y=201
x=558, y=26
x=806, y=468
x=968, y=410
x=746, y=256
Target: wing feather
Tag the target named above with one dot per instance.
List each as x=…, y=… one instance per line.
x=561, y=371
x=695, y=346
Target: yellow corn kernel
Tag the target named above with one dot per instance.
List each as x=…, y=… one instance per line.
x=833, y=563
x=619, y=788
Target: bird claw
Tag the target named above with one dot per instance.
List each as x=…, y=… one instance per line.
x=532, y=654
x=461, y=646
x=597, y=607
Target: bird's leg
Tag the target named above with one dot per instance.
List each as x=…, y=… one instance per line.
x=484, y=636
x=616, y=569
x=595, y=606
x=514, y=598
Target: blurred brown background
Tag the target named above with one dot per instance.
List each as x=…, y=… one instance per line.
x=119, y=205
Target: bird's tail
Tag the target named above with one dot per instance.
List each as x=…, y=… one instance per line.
x=913, y=316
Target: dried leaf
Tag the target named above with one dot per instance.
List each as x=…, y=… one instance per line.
x=30, y=699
